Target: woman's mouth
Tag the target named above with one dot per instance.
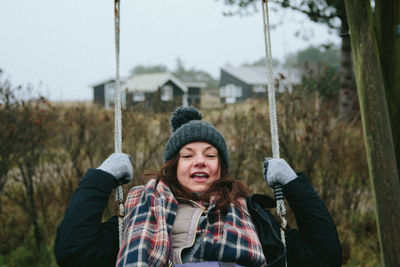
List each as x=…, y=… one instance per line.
x=199, y=176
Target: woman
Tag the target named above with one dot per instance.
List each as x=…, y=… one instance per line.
x=192, y=212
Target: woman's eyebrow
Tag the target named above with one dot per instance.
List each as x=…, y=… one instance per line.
x=205, y=149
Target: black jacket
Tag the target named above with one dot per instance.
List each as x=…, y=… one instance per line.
x=315, y=244
x=82, y=240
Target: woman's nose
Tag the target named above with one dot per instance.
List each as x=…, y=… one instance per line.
x=200, y=162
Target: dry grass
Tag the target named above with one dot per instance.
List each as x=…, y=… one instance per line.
x=209, y=101
x=81, y=136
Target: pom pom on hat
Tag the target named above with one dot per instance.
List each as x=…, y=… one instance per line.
x=183, y=115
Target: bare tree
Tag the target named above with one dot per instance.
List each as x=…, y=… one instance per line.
x=7, y=130
x=33, y=120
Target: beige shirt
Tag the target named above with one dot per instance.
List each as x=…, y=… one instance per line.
x=184, y=228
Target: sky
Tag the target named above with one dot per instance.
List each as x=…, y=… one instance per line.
x=62, y=48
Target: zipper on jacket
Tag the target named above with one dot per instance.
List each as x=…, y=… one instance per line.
x=204, y=209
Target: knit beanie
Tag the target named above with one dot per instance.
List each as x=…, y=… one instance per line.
x=187, y=127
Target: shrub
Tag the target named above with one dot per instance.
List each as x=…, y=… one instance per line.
x=57, y=144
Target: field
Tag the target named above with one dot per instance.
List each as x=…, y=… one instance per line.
x=46, y=148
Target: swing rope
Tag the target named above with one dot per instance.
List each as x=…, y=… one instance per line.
x=281, y=210
x=119, y=195
x=280, y=205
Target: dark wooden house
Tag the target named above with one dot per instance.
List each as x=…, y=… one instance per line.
x=240, y=83
x=103, y=94
x=158, y=91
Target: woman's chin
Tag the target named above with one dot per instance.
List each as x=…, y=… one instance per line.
x=199, y=189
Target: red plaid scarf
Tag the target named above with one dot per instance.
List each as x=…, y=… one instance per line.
x=150, y=214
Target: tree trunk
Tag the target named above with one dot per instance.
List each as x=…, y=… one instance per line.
x=376, y=127
x=37, y=231
x=387, y=17
x=348, y=92
x=27, y=172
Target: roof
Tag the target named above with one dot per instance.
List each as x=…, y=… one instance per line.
x=253, y=75
x=249, y=75
x=196, y=84
x=110, y=80
x=150, y=82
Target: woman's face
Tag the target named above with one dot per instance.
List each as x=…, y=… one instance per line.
x=198, y=166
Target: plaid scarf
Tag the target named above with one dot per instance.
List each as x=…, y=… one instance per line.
x=150, y=214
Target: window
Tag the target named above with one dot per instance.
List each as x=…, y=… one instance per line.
x=109, y=93
x=231, y=91
x=238, y=91
x=222, y=92
x=138, y=96
x=109, y=100
x=259, y=88
x=166, y=93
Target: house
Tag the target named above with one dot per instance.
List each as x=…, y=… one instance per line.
x=158, y=91
x=240, y=83
x=103, y=94
x=154, y=89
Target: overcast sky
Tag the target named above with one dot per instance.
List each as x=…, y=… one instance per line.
x=64, y=47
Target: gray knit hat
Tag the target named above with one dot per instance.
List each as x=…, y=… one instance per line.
x=187, y=127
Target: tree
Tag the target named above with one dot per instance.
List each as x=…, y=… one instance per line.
x=194, y=75
x=332, y=14
x=7, y=130
x=319, y=68
x=387, y=34
x=327, y=56
x=368, y=41
x=261, y=63
x=141, y=69
x=32, y=128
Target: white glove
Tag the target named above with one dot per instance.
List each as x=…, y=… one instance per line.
x=277, y=171
x=118, y=165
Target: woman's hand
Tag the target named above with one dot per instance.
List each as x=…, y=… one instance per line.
x=277, y=171
x=118, y=165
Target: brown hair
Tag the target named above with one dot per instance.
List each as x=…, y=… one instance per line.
x=227, y=188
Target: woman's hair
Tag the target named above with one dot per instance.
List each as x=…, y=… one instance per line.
x=226, y=188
